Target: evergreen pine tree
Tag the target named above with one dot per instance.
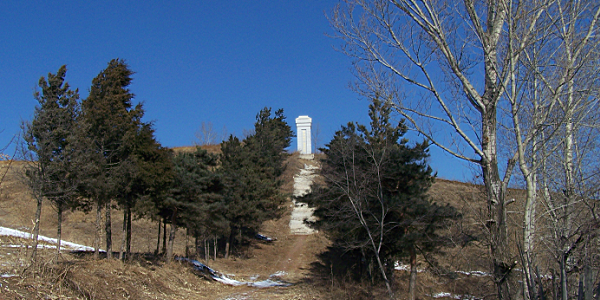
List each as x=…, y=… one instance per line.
x=195, y=188
x=50, y=137
x=251, y=171
x=148, y=177
x=107, y=117
x=373, y=202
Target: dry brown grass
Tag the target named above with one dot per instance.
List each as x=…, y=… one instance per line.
x=75, y=277
x=215, y=149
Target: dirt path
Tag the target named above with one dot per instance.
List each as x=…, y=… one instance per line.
x=291, y=261
x=299, y=231
x=292, y=254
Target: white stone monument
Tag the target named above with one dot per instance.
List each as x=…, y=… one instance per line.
x=303, y=125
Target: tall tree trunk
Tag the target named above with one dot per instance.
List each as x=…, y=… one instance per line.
x=172, y=235
x=206, y=250
x=187, y=240
x=382, y=268
x=495, y=192
x=128, y=232
x=215, y=241
x=375, y=252
x=59, y=208
x=158, y=237
x=569, y=191
x=197, y=248
x=412, y=283
x=564, y=291
x=525, y=160
x=227, y=248
x=36, y=227
x=108, y=229
x=588, y=283
x=98, y=229
x=554, y=288
x=164, y=242
x=528, y=237
x=229, y=241
x=488, y=107
x=123, y=236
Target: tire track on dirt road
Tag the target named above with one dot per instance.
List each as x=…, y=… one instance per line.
x=290, y=262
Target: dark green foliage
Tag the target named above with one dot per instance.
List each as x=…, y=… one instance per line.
x=107, y=119
x=243, y=208
x=272, y=135
x=196, y=187
x=152, y=181
x=50, y=137
x=196, y=192
x=104, y=154
x=147, y=178
x=373, y=201
x=251, y=171
x=152, y=172
x=108, y=126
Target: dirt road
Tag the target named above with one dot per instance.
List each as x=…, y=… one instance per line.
x=289, y=257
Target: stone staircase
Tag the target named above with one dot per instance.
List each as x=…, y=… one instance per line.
x=301, y=211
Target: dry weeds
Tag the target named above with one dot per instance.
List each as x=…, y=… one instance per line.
x=145, y=277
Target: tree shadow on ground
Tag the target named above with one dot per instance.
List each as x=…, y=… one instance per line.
x=339, y=272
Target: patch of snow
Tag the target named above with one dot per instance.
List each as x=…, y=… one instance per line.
x=15, y=233
x=26, y=235
x=259, y=284
x=278, y=274
x=474, y=273
x=7, y=275
x=402, y=267
x=268, y=283
x=441, y=295
x=226, y=280
x=265, y=238
x=23, y=246
x=454, y=296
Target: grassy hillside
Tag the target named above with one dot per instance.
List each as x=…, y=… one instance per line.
x=147, y=277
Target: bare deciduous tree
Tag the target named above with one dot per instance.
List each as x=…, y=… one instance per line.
x=461, y=71
x=316, y=136
x=207, y=135
x=34, y=177
x=450, y=59
x=552, y=94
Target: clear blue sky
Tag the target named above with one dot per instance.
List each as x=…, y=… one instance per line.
x=195, y=61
